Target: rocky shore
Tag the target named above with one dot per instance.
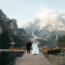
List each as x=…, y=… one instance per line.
x=57, y=59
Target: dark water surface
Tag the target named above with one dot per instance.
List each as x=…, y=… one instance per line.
x=9, y=58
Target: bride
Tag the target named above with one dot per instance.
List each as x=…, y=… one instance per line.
x=35, y=49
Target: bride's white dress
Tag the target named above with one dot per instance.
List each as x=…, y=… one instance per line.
x=35, y=49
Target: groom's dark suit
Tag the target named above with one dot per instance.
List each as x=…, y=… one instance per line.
x=28, y=47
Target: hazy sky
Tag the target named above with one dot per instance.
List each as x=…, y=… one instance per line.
x=27, y=10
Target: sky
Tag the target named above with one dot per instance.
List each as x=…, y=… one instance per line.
x=27, y=10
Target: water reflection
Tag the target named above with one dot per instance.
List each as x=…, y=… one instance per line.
x=9, y=58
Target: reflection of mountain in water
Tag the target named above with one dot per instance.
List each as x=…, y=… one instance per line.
x=9, y=32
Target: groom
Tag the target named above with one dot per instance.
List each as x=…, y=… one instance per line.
x=28, y=47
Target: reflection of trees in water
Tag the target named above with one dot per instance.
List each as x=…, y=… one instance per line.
x=7, y=58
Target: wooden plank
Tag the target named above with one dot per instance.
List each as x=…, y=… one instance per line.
x=51, y=50
x=12, y=50
x=29, y=59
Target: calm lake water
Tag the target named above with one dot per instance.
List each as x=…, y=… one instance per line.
x=9, y=58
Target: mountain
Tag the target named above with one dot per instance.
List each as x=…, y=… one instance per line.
x=51, y=24
x=9, y=33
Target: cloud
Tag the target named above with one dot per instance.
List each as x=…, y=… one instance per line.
x=51, y=19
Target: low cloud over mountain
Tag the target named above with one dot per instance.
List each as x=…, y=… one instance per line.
x=50, y=20
x=47, y=25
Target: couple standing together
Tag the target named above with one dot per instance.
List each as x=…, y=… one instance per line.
x=33, y=47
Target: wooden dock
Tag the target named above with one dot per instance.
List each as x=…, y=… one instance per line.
x=29, y=59
x=12, y=50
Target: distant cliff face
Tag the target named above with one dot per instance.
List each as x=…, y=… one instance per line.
x=9, y=32
x=50, y=26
